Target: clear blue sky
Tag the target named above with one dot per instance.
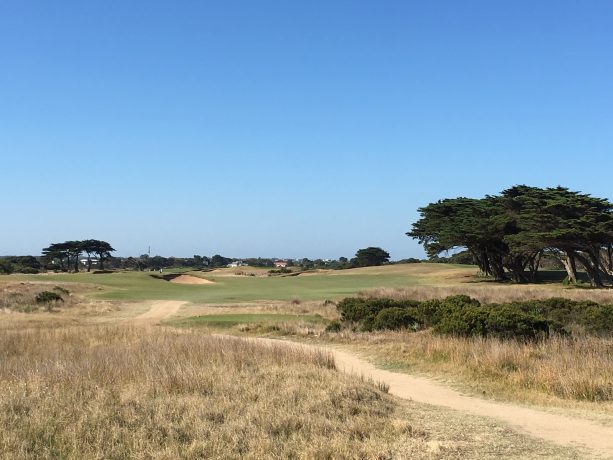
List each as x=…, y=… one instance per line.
x=289, y=128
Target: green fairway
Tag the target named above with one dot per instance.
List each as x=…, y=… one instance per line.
x=229, y=320
x=229, y=289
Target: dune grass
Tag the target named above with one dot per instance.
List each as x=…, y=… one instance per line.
x=150, y=392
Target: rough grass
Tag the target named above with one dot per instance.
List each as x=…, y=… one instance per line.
x=552, y=371
x=490, y=292
x=123, y=392
x=127, y=392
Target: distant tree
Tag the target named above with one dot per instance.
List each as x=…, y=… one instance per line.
x=6, y=267
x=74, y=250
x=57, y=252
x=103, y=250
x=219, y=261
x=89, y=246
x=371, y=256
x=158, y=262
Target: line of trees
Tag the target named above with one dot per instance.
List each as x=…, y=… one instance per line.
x=67, y=254
x=508, y=234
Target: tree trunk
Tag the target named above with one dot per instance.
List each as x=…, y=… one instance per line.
x=592, y=270
x=498, y=268
x=571, y=266
x=100, y=261
x=533, y=264
x=89, y=262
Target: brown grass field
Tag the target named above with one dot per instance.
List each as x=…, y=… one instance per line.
x=149, y=392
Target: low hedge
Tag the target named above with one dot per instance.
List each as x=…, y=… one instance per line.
x=464, y=316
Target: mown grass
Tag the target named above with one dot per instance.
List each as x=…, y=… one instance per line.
x=231, y=289
x=410, y=280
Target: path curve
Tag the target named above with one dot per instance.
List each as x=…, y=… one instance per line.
x=159, y=311
x=560, y=429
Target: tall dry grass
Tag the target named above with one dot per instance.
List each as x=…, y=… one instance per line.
x=563, y=368
x=489, y=292
x=126, y=392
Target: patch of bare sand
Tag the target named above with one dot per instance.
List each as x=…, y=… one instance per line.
x=190, y=279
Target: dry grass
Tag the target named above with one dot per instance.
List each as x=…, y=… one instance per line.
x=119, y=392
x=18, y=306
x=563, y=371
x=559, y=371
x=323, y=309
x=128, y=392
x=489, y=292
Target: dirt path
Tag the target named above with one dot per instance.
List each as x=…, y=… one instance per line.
x=160, y=310
x=562, y=430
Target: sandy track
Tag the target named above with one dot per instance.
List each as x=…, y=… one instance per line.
x=159, y=311
x=560, y=429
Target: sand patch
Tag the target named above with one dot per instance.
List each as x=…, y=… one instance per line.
x=189, y=279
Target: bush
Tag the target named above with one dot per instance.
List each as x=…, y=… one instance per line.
x=48, y=297
x=6, y=267
x=334, y=326
x=29, y=270
x=508, y=322
x=466, y=321
x=394, y=318
x=359, y=309
x=462, y=315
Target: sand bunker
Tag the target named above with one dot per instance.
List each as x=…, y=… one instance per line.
x=189, y=279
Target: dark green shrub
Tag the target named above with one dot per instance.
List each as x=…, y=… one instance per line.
x=466, y=321
x=6, y=267
x=428, y=313
x=48, y=297
x=368, y=324
x=29, y=270
x=598, y=319
x=358, y=309
x=509, y=322
x=334, y=326
x=458, y=302
x=394, y=318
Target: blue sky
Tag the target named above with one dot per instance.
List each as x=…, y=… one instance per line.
x=286, y=128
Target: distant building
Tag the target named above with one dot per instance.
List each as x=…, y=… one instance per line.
x=83, y=261
x=237, y=263
x=280, y=263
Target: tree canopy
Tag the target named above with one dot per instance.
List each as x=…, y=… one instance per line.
x=507, y=234
x=67, y=254
x=371, y=256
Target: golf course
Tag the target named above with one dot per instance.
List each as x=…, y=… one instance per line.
x=251, y=307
